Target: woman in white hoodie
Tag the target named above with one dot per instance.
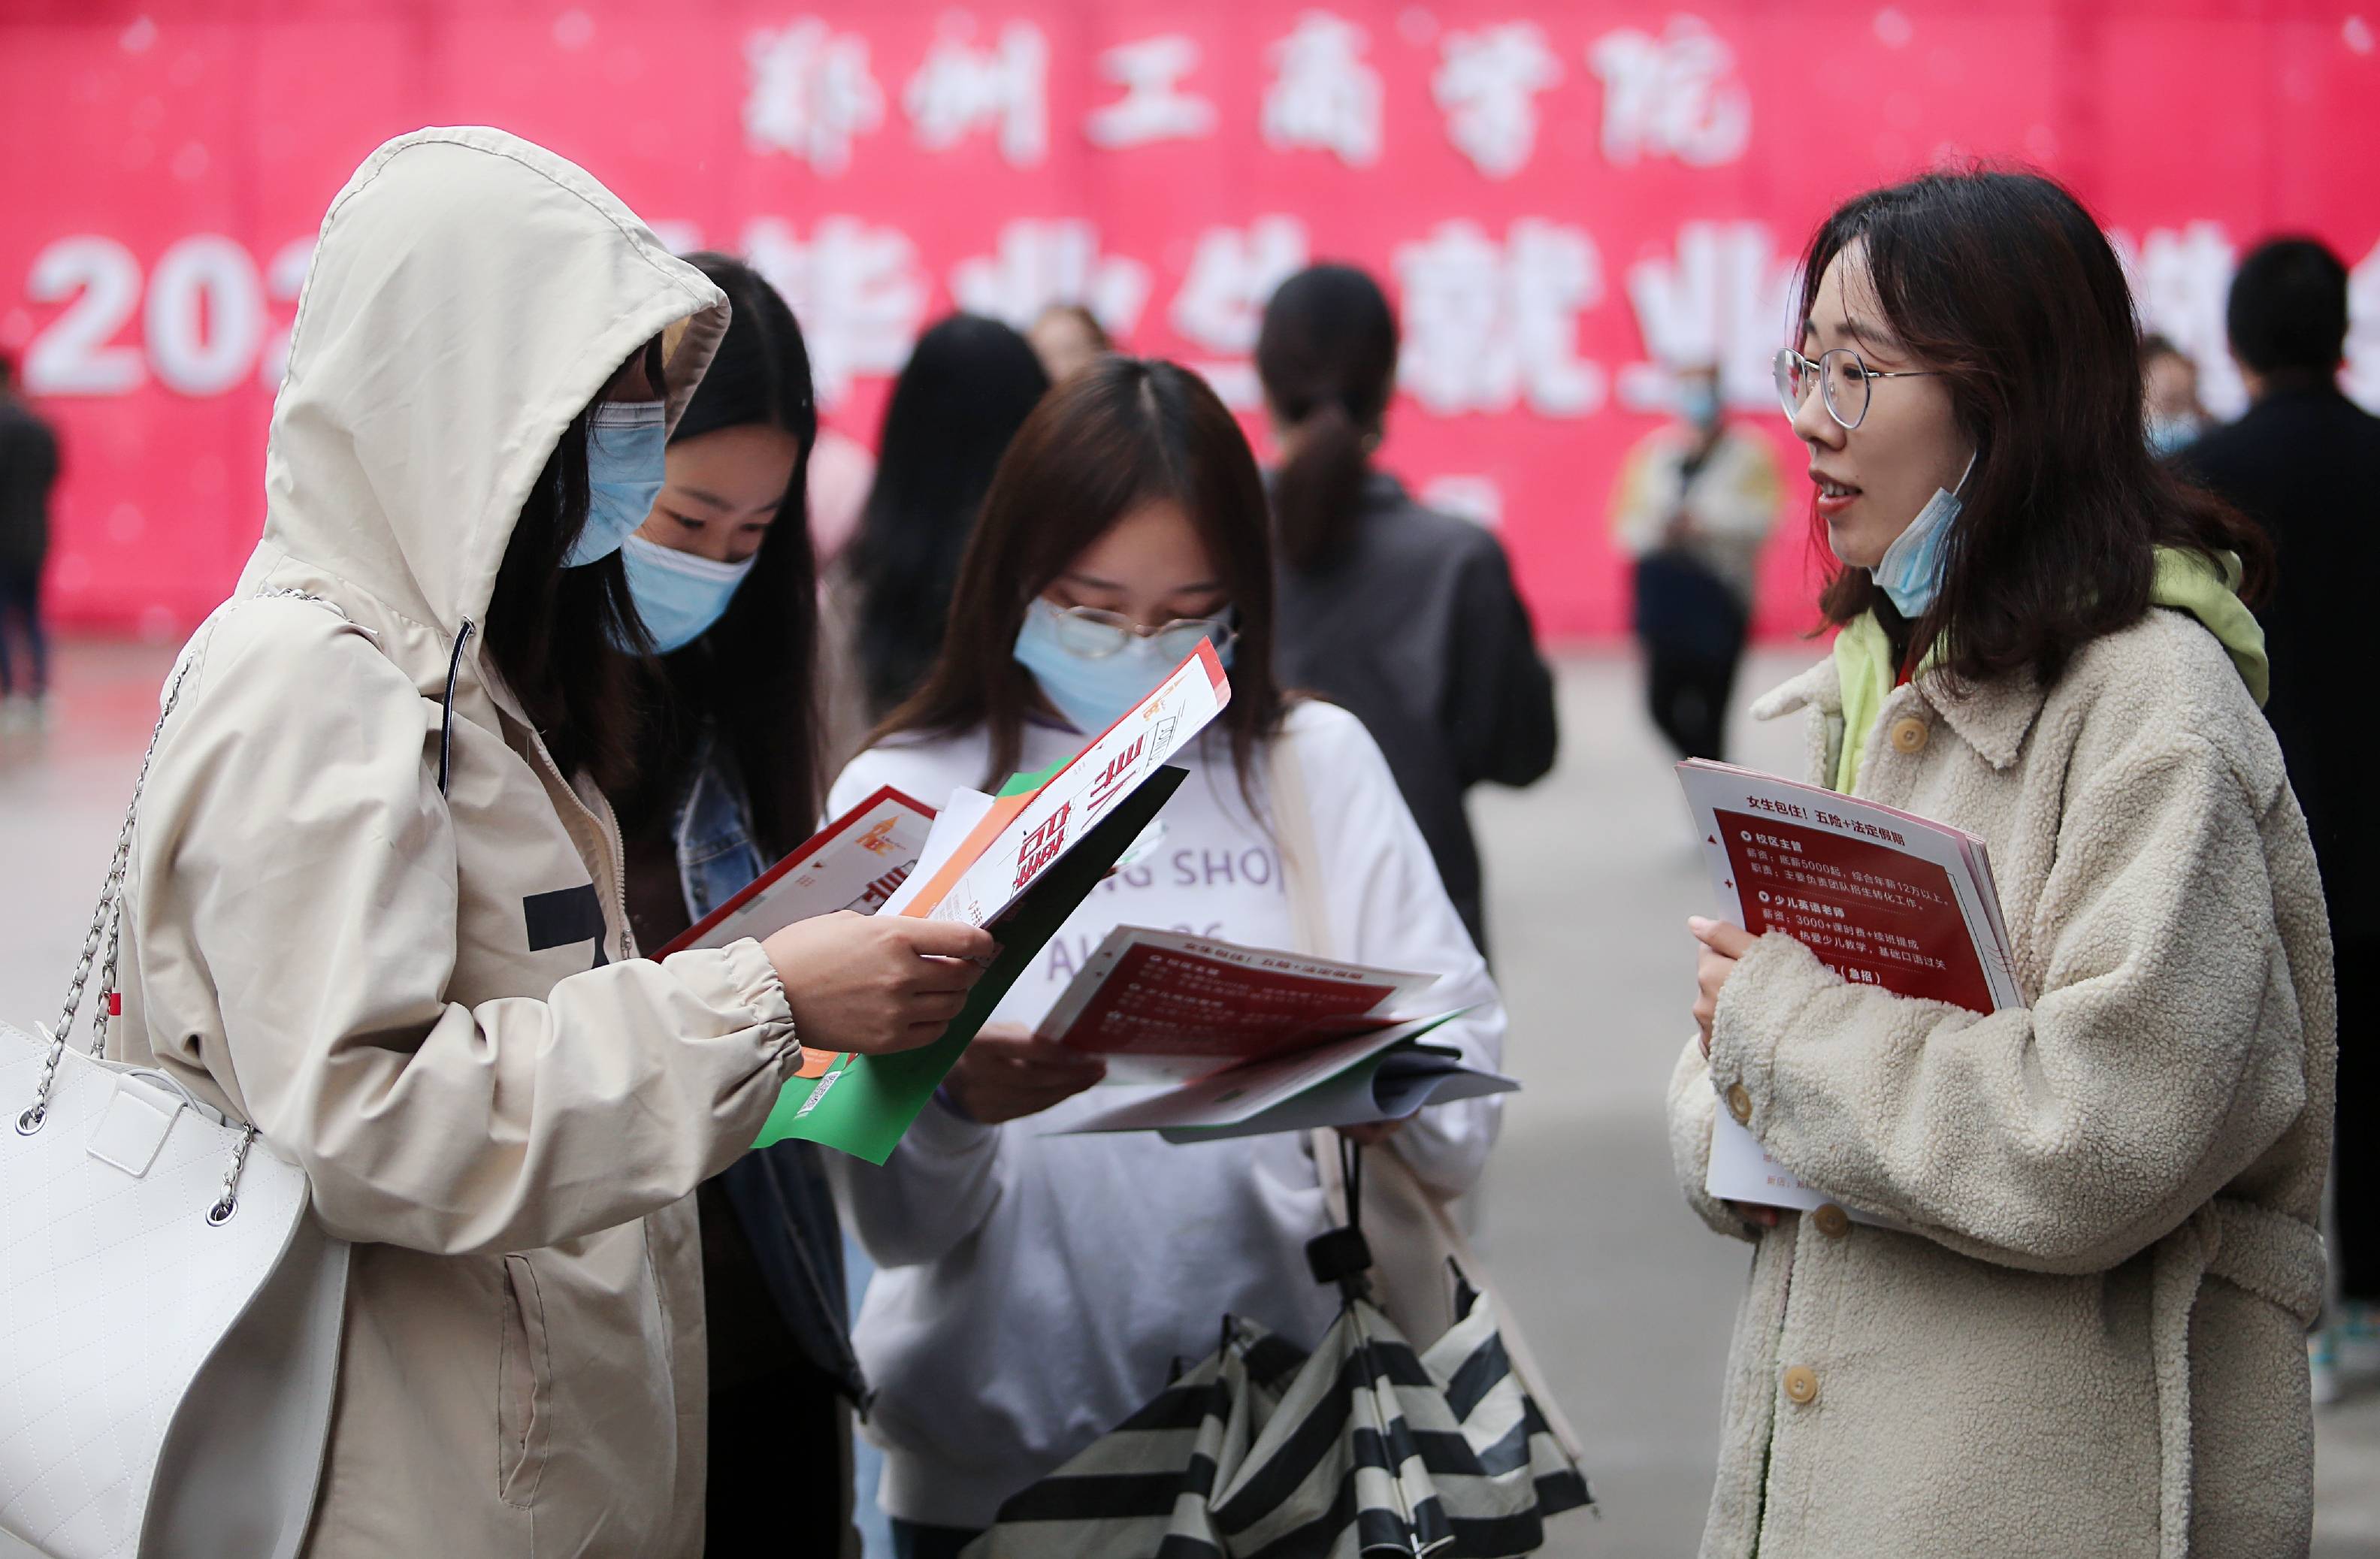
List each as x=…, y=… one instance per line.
x=376, y=905
x=1036, y=1289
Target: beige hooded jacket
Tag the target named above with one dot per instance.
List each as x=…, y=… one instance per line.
x=2091, y=1339
x=429, y=1001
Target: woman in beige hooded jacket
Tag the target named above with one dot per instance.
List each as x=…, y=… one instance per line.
x=372, y=913
x=2086, y=1336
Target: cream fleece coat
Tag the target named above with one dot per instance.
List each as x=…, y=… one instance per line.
x=2091, y=1340
x=425, y=995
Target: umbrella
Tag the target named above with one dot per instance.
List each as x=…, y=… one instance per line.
x=1364, y=1447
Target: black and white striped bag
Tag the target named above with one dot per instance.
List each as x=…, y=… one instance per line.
x=1365, y=1447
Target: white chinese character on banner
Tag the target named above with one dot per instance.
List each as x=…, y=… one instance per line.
x=1725, y=301
x=1480, y=499
x=1039, y=263
x=1154, y=106
x=855, y=289
x=1486, y=323
x=2181, y=286
x=1323, y=95
x=1671, y=96
x=1486, y=86
x=811, y=93
x=961, y=88
x=1233, y=273
x=2362, y=377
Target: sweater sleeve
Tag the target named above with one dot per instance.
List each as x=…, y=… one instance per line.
x=296, y=859
x=2163, y=1056
x=1500, y=714
x=937, y=1189
x=1388, y=907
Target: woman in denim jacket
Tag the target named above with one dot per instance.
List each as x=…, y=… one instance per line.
x=724, y=579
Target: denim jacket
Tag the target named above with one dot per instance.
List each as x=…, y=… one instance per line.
x=780, y=1194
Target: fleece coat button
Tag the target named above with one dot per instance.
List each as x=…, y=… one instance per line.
x=1832, y=1221
x=1739, y=1105
x=1800, y=1385
x=1909, y=735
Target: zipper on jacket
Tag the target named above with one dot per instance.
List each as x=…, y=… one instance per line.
x=446, y=725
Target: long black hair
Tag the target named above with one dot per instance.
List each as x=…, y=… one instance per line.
x=2002, y=282
x=749, y=678
x=1123, y=432
x=551, y=630
x=968, y=387
x=1328, y=356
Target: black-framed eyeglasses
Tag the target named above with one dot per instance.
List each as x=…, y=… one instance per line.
x=1847, y=381
x=1095, y=634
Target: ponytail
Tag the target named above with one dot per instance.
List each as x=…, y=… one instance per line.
x=1328, y=358
x=1318, y=497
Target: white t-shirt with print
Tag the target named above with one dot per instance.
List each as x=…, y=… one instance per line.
x=1036, y=1289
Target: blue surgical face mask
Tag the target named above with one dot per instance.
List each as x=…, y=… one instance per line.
x=2169, y=434
x=1911, y=570
x=1091, y=691
x=1698, y=403
x=626, y=463
x=678, y=594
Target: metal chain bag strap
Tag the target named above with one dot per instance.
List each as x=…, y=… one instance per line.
x=169, y=1313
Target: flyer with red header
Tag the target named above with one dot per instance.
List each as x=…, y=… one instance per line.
x=1166, y=1004
x=1253, y=1040
x=1883, y=897
x=1027, y=830
x=1025, y=859
x=857, y=861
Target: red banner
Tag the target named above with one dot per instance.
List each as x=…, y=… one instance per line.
x=1565, y=199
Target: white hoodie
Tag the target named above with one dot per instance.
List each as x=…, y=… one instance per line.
x=1035, y=1289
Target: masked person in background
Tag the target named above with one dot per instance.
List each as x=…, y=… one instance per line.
x=1694, y=506
x=727, y=781
x=1464, y=698
x=2169, y=386
x=377, y=907
x=2084, y=1331
x=1034, y=1288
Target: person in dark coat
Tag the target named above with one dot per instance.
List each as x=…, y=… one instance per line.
x=28, y=468
x=2305, y=461
x=1405, y=616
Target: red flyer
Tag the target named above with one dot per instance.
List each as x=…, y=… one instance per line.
x=855, y=863
x=1187, y=1005
x=1882, y=897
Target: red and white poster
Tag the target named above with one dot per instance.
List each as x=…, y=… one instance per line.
x=1566, y=200
x=1201, y=1003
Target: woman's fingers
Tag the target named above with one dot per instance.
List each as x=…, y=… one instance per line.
x=1728, y=941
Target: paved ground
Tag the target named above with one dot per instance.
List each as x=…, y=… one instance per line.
x=1592, y=873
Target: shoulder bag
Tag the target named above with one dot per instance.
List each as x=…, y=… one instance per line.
x=1412, y=1236
x=169, y=1311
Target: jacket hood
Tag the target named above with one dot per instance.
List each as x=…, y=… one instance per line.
x=1863, y=670
x=2188, y=582
x=469, y=294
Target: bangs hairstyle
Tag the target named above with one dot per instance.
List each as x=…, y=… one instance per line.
x=551, y=631
x=1122, y=433
x=2004, y=284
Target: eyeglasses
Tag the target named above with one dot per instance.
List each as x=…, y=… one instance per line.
x=1095, y=635
x=1847, y=381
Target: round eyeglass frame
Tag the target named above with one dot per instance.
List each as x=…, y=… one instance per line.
x=1220, y=632
x=1789, y=364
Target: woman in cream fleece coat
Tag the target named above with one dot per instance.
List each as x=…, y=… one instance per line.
x=2086, y=1336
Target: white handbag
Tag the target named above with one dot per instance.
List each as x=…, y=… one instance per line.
x=169, y=1311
